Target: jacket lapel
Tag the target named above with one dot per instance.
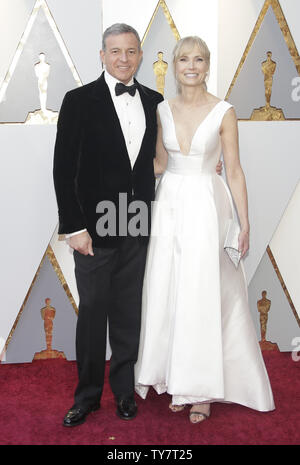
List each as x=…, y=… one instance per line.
x=110, y=118
x=109, y=115
x=146, y=102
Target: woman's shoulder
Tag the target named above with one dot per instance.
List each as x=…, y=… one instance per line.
x=214, y=100
x=172, y=102
x=223, y=103
x=211, y=98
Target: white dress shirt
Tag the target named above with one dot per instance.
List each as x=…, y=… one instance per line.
x=131, y=115
x=132, y=120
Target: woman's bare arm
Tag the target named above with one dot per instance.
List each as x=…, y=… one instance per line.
x=235, y=175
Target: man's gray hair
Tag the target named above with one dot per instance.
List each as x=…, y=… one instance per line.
x=117, y=29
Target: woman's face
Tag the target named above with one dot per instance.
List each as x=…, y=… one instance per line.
x=191, y=68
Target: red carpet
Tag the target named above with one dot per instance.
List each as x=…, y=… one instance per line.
x=34, y=398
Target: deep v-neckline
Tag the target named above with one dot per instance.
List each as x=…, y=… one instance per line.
x=196, y=131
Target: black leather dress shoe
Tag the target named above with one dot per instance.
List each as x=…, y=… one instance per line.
x=77, y=415
x=126, y=409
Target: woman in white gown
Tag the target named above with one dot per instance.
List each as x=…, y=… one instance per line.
x=198, y=341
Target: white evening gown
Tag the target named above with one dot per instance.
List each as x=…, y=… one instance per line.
x=198, y=341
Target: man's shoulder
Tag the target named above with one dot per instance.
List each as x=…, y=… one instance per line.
x=82, y=91
x=152, y=94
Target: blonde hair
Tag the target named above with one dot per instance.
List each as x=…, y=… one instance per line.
x=185, y=45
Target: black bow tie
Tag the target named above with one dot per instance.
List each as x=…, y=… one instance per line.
x=121, y=89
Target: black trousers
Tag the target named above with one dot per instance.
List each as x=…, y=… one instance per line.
x=110, y=290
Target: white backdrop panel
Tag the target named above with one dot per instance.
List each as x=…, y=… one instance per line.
x=80, y=24
x=270, y=159
x=132, y=12
x=28, y=211
x=236, y=22
x=14, y=15
x=285, y=246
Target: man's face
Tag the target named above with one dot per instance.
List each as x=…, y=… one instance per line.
x=121, y=56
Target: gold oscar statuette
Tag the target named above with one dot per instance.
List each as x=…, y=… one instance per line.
x=268, y=113
x=48, y=315
x=263, y=306
x=160, y=68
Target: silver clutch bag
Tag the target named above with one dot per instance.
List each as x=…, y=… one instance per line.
x=231, y=244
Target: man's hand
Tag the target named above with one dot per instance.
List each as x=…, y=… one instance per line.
x=219, y=167
x=82, y=243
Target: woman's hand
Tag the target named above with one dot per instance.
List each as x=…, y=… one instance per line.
x=219, y=168
x=243, y=241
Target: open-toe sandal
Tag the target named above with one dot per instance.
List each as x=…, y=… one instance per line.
x=176, y=408
x=204, y=416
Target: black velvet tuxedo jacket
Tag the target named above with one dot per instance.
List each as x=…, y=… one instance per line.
x=91, y=162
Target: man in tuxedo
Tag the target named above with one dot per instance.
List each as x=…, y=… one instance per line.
x=105, y=145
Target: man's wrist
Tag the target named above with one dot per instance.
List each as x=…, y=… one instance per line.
x=67, y=236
